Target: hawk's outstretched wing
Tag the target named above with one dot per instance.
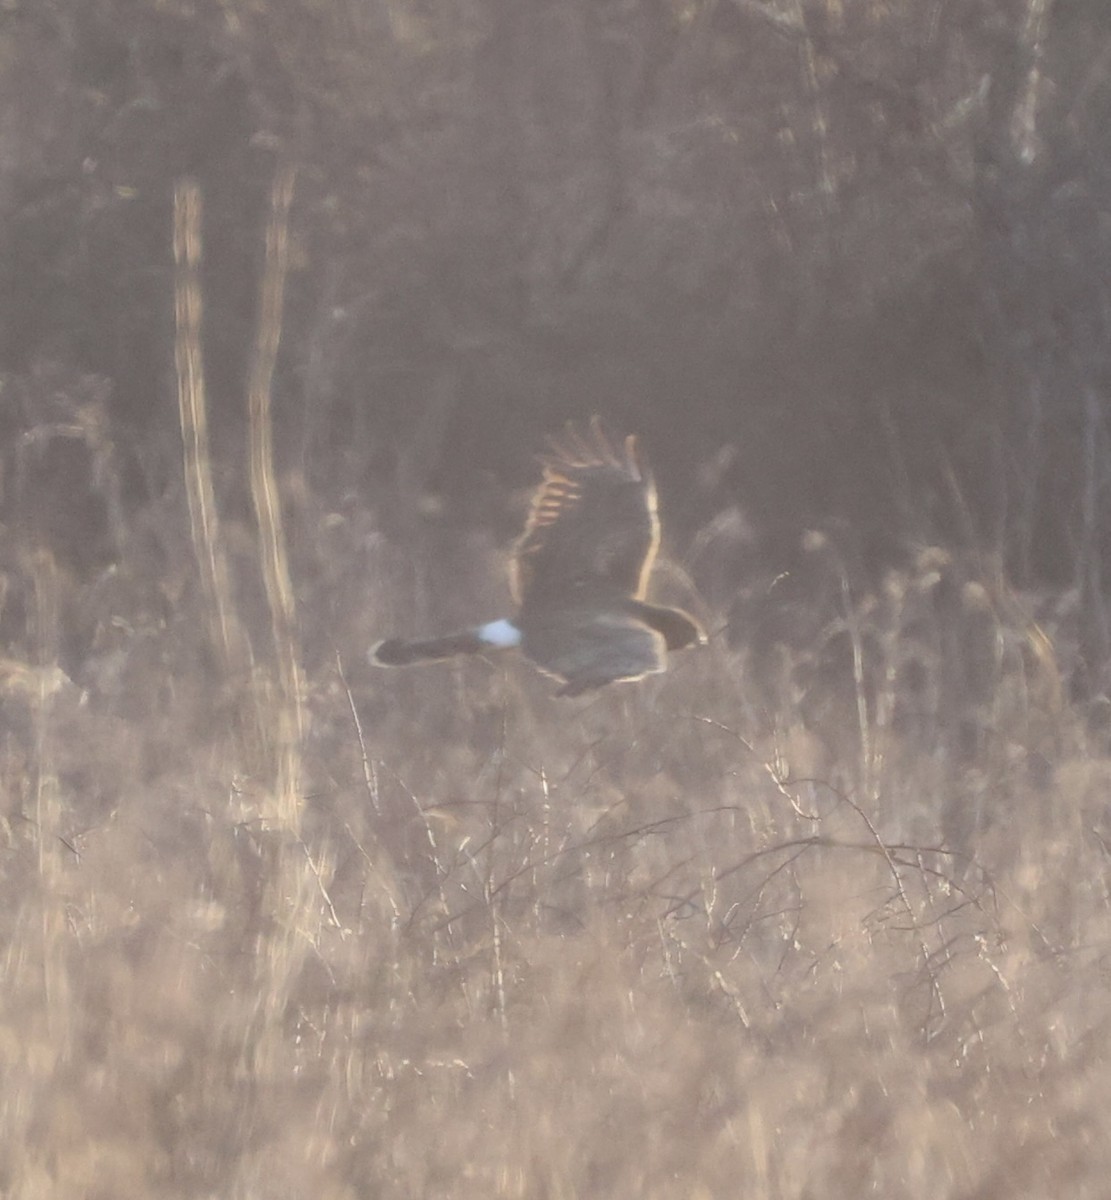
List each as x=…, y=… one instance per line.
x=592, y=525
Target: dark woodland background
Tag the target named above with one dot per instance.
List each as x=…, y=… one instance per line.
x=822, y=912
x=861, y=248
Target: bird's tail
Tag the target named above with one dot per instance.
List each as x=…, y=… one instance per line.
x=401, y=652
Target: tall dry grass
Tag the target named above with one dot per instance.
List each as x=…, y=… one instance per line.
x=793, y=920
x=822, y=912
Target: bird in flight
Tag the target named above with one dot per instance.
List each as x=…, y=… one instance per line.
x=579, y=575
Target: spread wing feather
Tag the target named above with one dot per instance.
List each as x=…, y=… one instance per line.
x=592, y=525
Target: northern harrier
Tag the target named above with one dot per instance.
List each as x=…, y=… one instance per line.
x=579, y=576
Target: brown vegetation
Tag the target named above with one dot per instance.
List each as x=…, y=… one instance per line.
x=789, y=921
x=822, y=912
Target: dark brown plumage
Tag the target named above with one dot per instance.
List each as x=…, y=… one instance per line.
x=579, y=575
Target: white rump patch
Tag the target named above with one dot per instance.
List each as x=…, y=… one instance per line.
x=501, y=633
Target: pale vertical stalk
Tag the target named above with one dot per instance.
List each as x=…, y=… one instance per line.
x=192, y=404
x=1090, y=569
x=267, y=502
x=294, y=886
x=1024, y=118
x=826, y=182
x=55, y=982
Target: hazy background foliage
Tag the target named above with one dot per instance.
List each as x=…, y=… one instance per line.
x=862, y=243
x=822, y=912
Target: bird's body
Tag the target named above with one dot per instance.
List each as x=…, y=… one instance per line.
x=579, y=576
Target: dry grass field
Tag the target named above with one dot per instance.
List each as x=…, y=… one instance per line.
x=823, y=912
